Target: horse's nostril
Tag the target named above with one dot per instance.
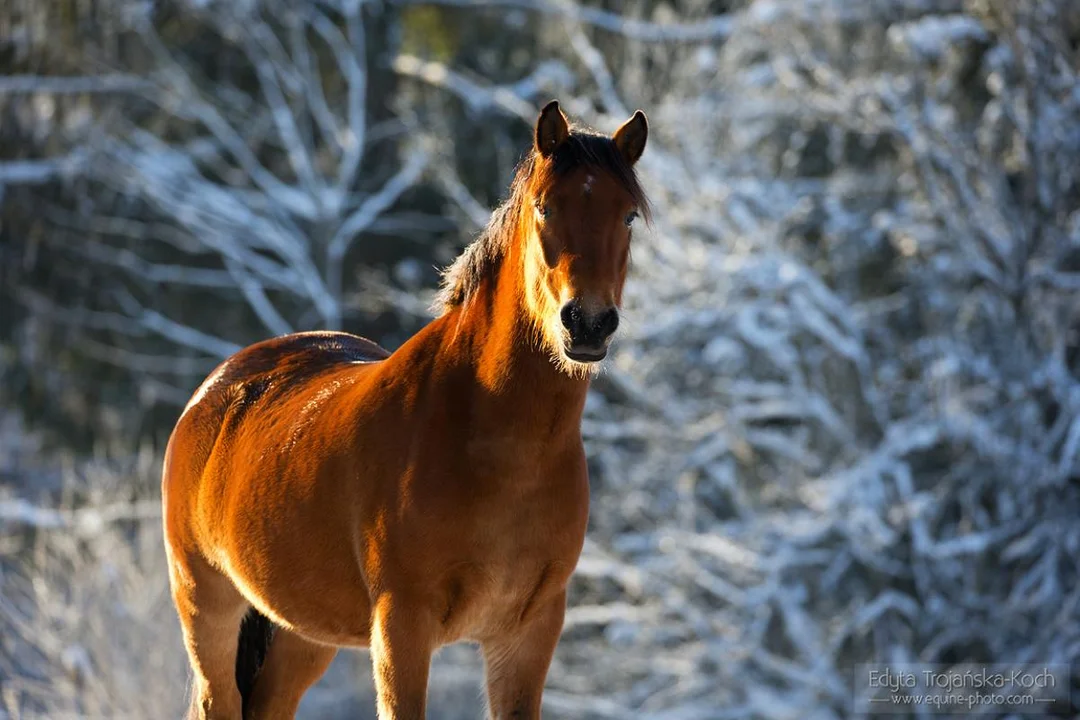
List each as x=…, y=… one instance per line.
x=607, y=323
x=570, y=315
x=591, y=328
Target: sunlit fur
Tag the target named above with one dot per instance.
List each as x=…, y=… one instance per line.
x=321, y=492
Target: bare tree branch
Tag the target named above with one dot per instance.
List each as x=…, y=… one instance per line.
x=509, y=99
x=84, y=522
x=58, y=85
x=37, y=172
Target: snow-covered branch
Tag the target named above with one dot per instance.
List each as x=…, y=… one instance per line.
x=84, y=522
x=714, y=28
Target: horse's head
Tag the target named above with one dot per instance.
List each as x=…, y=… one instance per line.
x=583, y=198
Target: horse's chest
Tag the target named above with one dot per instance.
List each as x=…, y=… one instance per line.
x=508, y=499
x=512, y=562
x=485, y=598
x=501, y=532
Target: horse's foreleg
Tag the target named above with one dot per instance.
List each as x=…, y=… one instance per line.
x=517, y=665
x=292, y=665
x=210, y=611
x=402, y=640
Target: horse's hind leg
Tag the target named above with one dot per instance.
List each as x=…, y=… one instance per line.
x=292, y=665
x=210, y=610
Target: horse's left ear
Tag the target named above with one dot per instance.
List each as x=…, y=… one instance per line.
x=631, y=136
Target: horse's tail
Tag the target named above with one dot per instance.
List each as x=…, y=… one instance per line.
x=256, y=632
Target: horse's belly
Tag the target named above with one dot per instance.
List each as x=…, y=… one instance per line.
x=299, y=569
x=317, y=603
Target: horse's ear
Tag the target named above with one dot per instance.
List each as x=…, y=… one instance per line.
x=551, y=129
x=631, y=136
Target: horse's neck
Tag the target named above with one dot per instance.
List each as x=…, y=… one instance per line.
x=494, y=332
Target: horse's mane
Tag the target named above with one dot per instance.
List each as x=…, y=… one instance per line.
x=482, y=257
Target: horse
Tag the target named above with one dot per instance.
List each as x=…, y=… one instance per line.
x=320, y=492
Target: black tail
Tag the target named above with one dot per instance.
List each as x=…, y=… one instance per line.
x=256, y=632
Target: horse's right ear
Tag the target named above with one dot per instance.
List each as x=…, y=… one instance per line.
x=551, y=129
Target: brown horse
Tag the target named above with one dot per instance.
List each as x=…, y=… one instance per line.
x=321, y=492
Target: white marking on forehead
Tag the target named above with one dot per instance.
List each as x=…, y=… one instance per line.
x=588, y=184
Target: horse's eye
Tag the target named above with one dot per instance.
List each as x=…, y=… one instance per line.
x=543, y=211
x=631, y=217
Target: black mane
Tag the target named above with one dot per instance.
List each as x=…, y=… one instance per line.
x=481, y=258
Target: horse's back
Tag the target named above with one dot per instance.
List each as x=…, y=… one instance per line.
x=286, y=361
x=295, y=357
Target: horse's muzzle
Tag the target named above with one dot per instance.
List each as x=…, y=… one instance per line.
x=589, y=332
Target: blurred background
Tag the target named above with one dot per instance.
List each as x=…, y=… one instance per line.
x=842, y=423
